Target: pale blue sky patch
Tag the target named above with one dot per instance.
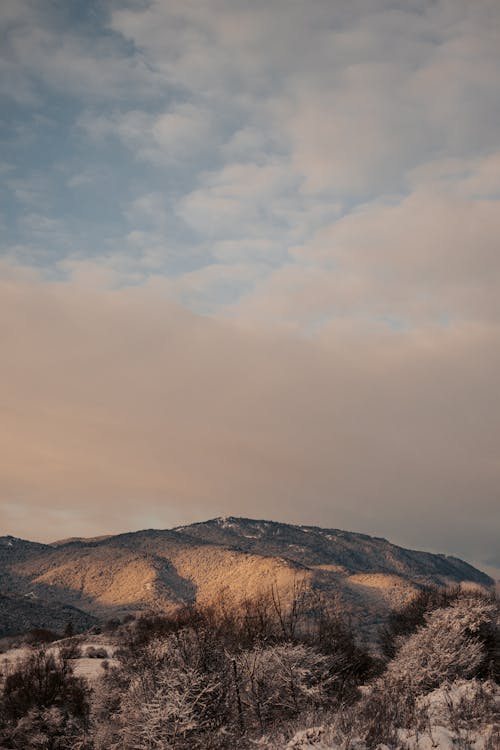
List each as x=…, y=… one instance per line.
x=244, y=127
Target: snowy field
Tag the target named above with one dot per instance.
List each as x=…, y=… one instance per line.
x=90, y=667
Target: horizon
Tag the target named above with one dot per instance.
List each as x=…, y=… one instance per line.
x=249, y=264
x=491, y=571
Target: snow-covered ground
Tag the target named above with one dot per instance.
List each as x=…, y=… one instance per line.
x=91, y=669
x=84, y=666
x=452, y=717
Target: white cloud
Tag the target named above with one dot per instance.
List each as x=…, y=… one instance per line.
x=430, y=256
x=148, y=209
x=183, y=132
x=242, y=200
x=357, y=92
x=39, y=50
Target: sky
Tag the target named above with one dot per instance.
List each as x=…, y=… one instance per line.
x=249, y=265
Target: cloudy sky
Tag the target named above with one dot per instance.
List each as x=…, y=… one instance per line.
x=250, y=266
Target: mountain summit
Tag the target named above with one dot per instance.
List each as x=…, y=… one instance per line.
x=224, y=558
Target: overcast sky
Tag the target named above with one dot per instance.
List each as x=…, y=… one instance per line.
x=250, y=266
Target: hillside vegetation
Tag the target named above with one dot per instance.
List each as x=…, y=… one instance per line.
x=234, y=558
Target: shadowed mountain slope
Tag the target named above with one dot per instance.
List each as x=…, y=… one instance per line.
x=229, y=558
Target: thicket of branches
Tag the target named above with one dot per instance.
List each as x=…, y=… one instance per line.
x=220, y=677
x=43, y=704
x=402, y=623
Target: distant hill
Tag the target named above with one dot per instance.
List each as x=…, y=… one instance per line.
x=19, y=614
x=224, y=558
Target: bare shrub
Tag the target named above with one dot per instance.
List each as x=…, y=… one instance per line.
x=42, y=698
x=177, y=692
x=96, y=652
x=70, y=649
x=278, y=682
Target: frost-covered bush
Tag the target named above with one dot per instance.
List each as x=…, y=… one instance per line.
x=47, y=729
x=449, y=646
x=203, y=679
x=278, y=682
x=406, y=620
x=177, y=693
x=446, y=648
x=169, y=710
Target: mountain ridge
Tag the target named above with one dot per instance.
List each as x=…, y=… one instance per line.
x=226, y=557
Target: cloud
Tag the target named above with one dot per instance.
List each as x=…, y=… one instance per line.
x=427, y=256
x=266, y=122
x=320, y=181
x=47, y=48
x=32, y=191
x=183, y=132
x=120, y=405
x=149, y=209
x=356, y=93
x=239, y=200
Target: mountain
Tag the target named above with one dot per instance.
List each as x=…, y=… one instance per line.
x=19, y=614
x=229, y=558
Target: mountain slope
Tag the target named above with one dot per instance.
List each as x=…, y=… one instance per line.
x=230, y=558
x=311, y=545
x=19, y=614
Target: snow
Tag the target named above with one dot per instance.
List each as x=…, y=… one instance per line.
x=437, y=738
x=446, y=739
x=85, y=666
x=225, y=523
x=91, y=669
x=445, y=728
x=309, y=739
x=450, y=698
